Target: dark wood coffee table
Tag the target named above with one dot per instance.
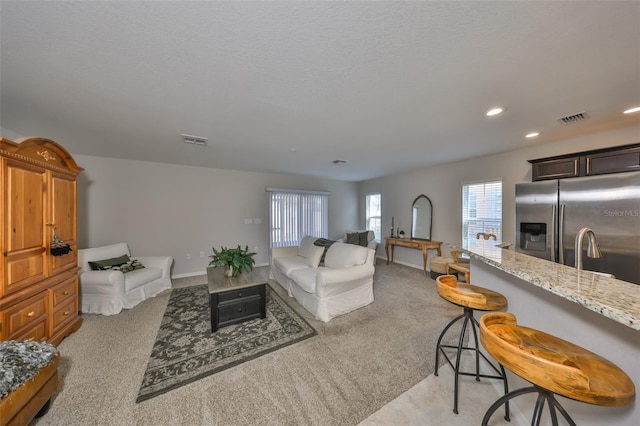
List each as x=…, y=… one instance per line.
x=235, y=299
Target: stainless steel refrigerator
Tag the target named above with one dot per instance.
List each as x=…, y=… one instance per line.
x=549, y=215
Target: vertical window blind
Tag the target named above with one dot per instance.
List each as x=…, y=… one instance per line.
x=294, y=214
x=481, y=210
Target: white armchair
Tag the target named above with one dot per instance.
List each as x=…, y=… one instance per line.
x=107, y=292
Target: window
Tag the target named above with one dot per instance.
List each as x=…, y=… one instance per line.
x=373, y=214
x=481, y=210
x=294, y=214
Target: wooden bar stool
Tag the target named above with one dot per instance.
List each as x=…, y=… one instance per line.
x=553, y=366
x=457, y=266
x=470, y=298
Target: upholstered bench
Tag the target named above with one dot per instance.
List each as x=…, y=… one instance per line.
x=439, y=266
x=28, y=378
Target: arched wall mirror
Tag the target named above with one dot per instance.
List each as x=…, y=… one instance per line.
x=421, y=212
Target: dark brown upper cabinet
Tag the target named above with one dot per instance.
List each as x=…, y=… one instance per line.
x=618, y=159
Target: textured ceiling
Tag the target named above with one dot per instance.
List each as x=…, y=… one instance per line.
x=291, y=86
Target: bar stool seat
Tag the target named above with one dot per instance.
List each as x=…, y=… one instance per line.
x=553, y=366
x=470, y=297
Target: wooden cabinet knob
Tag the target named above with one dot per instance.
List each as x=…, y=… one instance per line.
x=65, y=292
x=30, y=314
x=66, y=313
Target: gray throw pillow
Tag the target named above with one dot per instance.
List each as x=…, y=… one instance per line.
x=353, y=238
x=363, y=239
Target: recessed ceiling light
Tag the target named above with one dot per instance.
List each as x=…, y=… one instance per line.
x=532, y=135
x=494, y=111
x=339, y=162
x=632, y=110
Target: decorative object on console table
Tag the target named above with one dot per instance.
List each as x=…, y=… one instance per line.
x=401, y=234
x=392, y=220
x=234, y=261
x=423, y=245
x=39, y=191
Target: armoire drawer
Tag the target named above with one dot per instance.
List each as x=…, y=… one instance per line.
x=27, y=314
x=63, y=292
x=64, y=314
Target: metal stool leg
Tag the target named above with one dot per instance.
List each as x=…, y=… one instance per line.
x=543, y=395
x=453, y=321
x=456, y=370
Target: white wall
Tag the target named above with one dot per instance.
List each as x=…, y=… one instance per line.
x=443, y=185
x=175, y=210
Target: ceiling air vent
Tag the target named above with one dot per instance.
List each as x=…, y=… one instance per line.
x=573, y=118
x=195, y=140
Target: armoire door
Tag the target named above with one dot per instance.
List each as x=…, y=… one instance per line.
x=62, y=220
x=25, y=214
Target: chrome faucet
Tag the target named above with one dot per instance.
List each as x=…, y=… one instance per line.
x=593, y=251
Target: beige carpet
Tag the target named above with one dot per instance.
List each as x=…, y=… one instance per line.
x=356, y=364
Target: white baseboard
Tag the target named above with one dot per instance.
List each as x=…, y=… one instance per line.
x=399, y=262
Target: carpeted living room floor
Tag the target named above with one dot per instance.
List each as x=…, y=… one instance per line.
x=372, y=366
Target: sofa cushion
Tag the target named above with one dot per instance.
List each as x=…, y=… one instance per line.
x=106, y=264
x=286, y=265
x=135, y=279
x=341, y=255
x=315, y=254
x=306, y=278
x=305, y=245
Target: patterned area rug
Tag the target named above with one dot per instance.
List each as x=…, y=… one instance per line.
x=185, y=350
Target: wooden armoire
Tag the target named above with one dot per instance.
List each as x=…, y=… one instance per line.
x=39, y=291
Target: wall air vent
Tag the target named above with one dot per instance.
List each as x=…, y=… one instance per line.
x=573, y=118
x=194, y=140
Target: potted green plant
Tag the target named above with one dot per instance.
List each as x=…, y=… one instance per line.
x=234, y=260
x=401, y=234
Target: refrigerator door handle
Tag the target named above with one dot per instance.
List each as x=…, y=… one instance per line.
x=561, y=235
x=553, y=233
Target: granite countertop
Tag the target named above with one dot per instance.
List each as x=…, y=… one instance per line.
x=615, y=299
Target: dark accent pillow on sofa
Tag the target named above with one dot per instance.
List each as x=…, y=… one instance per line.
x=353, y=238
x=363, y=238
x=102, y=265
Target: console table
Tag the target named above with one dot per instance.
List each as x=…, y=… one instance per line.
x=423, y=245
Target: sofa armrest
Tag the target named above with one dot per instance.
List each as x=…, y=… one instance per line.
x=102, y=282
x=162, y=262
x=330, y=281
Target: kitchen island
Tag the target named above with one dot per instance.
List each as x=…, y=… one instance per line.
x=599, y=313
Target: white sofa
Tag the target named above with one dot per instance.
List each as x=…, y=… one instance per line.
x=107, y=292
x=343, y=283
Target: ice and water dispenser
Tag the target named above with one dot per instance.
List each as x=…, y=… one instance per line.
x=533, y=236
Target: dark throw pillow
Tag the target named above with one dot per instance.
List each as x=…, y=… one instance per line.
x=353, y=238
x=103, y=265
x=363, y=239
